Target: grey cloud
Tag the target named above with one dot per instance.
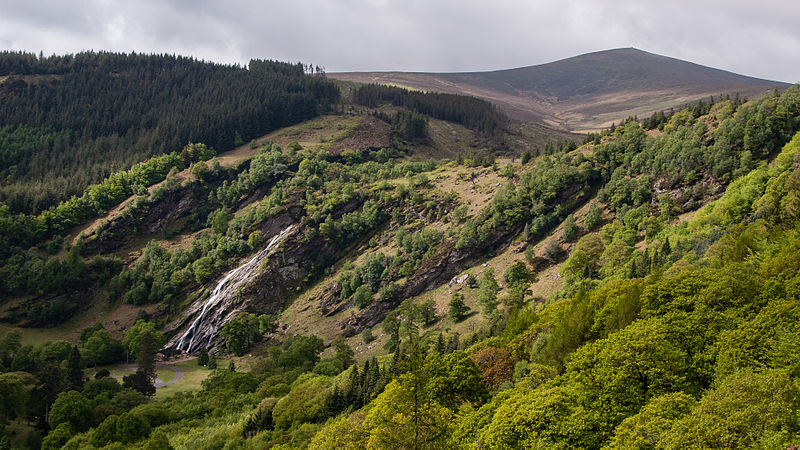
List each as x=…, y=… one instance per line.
x=753, y=38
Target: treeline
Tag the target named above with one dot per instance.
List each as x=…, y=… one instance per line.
x=471, y=112
x=76, y=118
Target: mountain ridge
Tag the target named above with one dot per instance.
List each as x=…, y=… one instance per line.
x=584, y=92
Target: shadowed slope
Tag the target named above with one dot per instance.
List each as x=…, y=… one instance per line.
x=584, y=92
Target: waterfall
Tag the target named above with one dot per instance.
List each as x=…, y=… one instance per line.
x=222, y=293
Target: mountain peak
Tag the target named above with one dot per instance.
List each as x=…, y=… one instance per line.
x=587, y=91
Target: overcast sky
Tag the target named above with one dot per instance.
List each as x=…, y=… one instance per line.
x=757, y=38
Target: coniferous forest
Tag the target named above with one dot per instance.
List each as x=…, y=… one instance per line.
x=69, y=121
x=426, y=279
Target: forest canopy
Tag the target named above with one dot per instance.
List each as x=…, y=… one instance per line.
x=68, y=121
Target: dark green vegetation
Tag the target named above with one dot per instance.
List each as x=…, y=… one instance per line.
x=584, y=92
x=468, y=111
x=69, y=121
x=401, y=309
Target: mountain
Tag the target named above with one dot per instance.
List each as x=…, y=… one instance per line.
x=585, y=92
x=391, y=275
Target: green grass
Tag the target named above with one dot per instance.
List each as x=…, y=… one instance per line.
x=192, y=375
x=36, y=336
x=165, y=374
x=191, y=379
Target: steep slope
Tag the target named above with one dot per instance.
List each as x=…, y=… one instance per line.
x=584, y=92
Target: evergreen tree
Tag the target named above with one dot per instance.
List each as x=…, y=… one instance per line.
x=458, y=310
x=140, y=382
x=146, y=356
x=212, y=361
x=202, y=357
x=74, y=372
x=452, y=342
x=441, y=345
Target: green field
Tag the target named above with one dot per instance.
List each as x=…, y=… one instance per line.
x=191, y=378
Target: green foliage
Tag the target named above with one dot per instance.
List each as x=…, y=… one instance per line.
x=487, y=292
x=57, y=437
x=240, y=333
x=202, y=357
x=133, y=337
x=304, y=403
x=101, y=348
x=648, y=427
x=416, y=408
x=457, y=308
x=139, y=381
x=13, y=395
x=362, y=297
x=468, y=111
x=73, y=409
x=570, y=231
x=584, y=262
x=116, y=109
x=747, y=409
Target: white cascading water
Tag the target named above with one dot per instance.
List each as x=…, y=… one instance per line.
x=226, y=289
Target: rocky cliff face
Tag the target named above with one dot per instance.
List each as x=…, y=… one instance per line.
x=210, y=314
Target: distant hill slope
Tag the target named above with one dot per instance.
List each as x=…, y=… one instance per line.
x=584, y=92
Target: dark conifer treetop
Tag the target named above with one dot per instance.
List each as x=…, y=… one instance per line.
x=68, y=121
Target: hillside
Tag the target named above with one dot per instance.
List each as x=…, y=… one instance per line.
x=585, y=92
x=392, y=275
x=69, y=121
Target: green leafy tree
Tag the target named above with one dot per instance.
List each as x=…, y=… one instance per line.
x=647, y=428
x=487, y=292
x=416, y=410
x=570, y=231
x=101, y=348
x=344, y=354
x=362, y=296
x=240, y=333
x=13, y=396
x=203, y=268
x=133, y=337
x=140, y=382
x=457, y=308
x=57, y=437
x=72, y=408
x=747, y=409
x=594, y=218
x=584, y=262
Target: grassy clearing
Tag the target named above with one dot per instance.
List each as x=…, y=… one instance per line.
x=192, y=375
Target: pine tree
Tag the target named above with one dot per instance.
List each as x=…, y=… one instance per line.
x=212, y=361
x=452, y=342
x=231, y=366
x=441, y=346
x=146, y=355
x=74, y=372
x=202, y=358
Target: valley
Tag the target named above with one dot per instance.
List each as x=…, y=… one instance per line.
x=406, y=269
